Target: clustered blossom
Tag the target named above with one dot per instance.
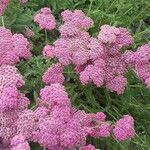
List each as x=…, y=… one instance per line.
x=13, y=47
x=12, y=103
x=54, y=124
x=45, y=19
x=3, y=6
x=54, y=74
x=124, y=128
x=88, y=147
x=19, y=143
x=98, y=60
x=140, y=61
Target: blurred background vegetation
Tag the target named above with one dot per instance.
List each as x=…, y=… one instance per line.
x=131, y=14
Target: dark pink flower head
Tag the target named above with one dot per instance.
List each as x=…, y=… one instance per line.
x=3, y=6
x=54, y=74
x=124, y=128
x=13, y=47
x=45, y=19
x=55, y=95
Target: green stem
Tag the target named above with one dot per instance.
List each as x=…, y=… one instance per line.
x=45, y=36
x=3, y=23
x=91, y=2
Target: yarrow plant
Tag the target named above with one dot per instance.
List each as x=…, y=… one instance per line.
x=45, y=19
x=98, y=60
x=53, y=122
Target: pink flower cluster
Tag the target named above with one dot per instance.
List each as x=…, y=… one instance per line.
x=3, y=6
x=13, y=47
x=124, y=128
x=54, y=124
x=45, y=19
x=140, y=61
x=98, y=60
x=12, y=103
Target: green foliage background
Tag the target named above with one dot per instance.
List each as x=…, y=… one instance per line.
x=132, y=14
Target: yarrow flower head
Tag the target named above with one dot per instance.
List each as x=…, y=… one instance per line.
x=88, y=147
x=12, y=103
x=45, y=19
x=54, y=74
x=124, y=128
x=140, y=61
x=13, y=47
x=3, y=6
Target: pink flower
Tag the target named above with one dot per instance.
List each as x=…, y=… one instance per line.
x=13, y=47
x=48, y=51
x=103, y=130
x=88, y=147
x=55, y=95
x=54, y=74
x=3, y=6
x=117, y=84
x=124, y=128
x=45, y=19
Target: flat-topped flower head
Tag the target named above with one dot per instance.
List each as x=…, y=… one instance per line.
x=45, y=19
x=13, y=47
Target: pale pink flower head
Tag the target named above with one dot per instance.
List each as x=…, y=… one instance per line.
x=113, y=35
x=124, y=128
x=18, y=139
x=22, y=146
x=88, y=147
x=45, y=19
x=48, y=51
x=78, y=18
